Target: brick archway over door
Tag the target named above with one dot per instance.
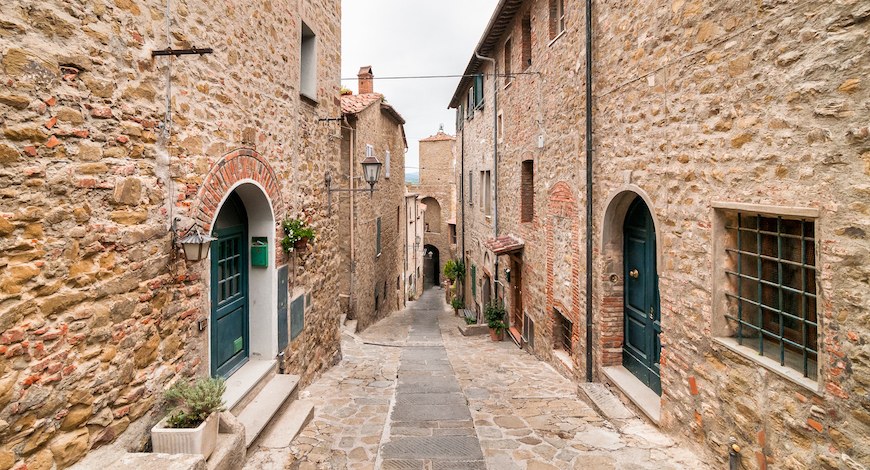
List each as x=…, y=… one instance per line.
x=238, y=165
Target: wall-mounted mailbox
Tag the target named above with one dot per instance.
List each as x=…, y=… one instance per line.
x=260, y=252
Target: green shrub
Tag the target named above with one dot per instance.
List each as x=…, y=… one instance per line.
x=194, y=403
x=454, y=270
x=457, y=303
x=494, y=316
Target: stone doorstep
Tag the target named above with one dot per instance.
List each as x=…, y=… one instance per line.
x=350, y=326
x=287, y=425
x=246, y=382
x=604, y=401
x=637, y=393
x=473, y=330
x=259, y=412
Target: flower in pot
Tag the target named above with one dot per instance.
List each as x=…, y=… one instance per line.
x=192, y=426
x=457, y=304
x=494, y=316
x=297, y=234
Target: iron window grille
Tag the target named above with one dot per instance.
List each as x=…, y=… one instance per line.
x=529, y=332
x=564, y=331
x=774, y=297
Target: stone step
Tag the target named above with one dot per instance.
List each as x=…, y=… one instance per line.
x=343, y=319
x=246, y=382
x=604, y=401
x=350, y=326
x=257, y=414
x=287, y=425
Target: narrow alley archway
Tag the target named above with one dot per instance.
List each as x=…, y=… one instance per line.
x=431, y=262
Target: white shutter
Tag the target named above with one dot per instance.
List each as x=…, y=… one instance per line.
x=387, y=165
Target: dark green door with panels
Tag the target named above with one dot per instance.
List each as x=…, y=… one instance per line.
x=229, y=291
x=642, y=348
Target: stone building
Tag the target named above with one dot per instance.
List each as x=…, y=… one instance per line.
x=414, y=261
x=437, y=189
x=372, y=224
x=729, y=215
x=104, y=145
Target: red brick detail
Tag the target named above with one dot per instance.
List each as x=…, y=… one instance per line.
x=693, y=385
x=561, y=204
x=815, y=424
x=238, y=165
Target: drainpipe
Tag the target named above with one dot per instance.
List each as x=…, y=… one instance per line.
x=589, y=190
x=352, y=177
x=494, y=149
x=405, y=265
x=462, y=197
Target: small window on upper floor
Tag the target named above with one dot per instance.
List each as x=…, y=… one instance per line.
x=308, y=64
x=452, y=233
x=508, y=52
x=470, y=188
x=527, y=192
x=557, y=18
x=527, y=41
x=387, y=164
x=469, y=104
x=378, y=237
x=478, y=91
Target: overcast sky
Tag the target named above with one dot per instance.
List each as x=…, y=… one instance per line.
x=413, y=37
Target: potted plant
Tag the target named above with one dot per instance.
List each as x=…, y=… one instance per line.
x=457, y=304
x=346, y=91
x=494, y=316
x=192, y=426
x=297, y=234
x=454, y=270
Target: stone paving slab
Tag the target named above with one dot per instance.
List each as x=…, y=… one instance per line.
x=523, y=413
x=433, y=447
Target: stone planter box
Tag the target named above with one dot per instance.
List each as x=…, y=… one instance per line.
x=199, y=440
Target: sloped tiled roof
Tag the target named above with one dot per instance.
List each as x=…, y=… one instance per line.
x=504, y=244
x=439, y=137
x=353, y=104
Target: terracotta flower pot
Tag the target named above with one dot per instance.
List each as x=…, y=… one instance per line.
x=496, y=335
x=301, y=244
x=456, y=312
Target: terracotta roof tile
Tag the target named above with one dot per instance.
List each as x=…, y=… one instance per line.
x=353, y=104
x=504, y=244
x=439, y=137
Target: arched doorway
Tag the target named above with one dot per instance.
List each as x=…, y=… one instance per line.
x=641, y=311
x=243, y=324
x=431, y=262
x=229, y=292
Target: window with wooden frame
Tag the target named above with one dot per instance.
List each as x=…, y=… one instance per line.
x=308, y=63
x=771, y=296
x=557, y=18
x=470, y=188
x=478, y=91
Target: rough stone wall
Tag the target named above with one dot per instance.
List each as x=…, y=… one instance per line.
x=759, y=103
x=543, y=100
x=96, y=316
x=414, y=210
x=437, y=166
x=372, y=272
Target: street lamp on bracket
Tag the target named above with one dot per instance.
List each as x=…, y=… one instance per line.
x=371, y=171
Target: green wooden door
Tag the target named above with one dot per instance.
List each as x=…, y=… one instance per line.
x=642, y=348
x=229, y=300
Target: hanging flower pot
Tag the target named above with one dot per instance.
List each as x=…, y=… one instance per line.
x=297, y=235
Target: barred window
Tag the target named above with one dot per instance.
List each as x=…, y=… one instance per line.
x=564, y=328
x=771, y=297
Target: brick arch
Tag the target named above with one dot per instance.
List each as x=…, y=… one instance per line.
x=561, y=201
x=238, y=165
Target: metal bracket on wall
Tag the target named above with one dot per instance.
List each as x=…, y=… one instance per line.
x=180, y=52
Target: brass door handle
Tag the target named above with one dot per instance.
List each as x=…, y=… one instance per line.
x=634, y=274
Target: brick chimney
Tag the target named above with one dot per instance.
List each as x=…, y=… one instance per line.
x=366, y=80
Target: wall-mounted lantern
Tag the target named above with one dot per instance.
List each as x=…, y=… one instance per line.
x=195, y=244
x=371, y=171
x=507, y=275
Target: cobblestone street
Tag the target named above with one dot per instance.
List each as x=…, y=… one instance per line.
x=459, y=403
